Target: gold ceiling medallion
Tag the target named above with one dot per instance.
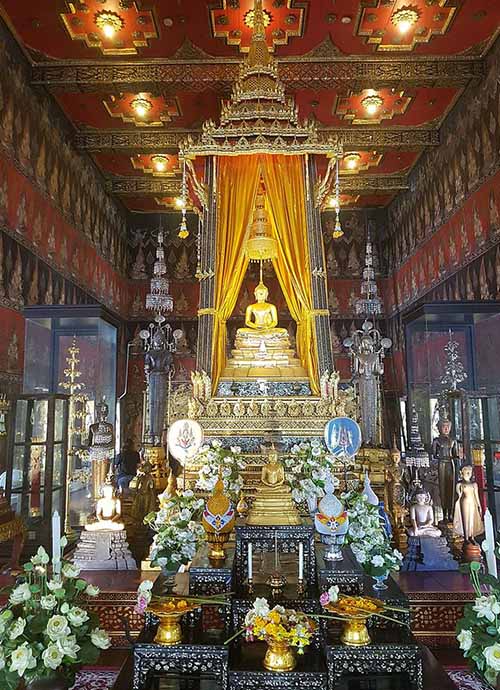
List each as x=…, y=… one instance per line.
x=141, y=106
x=249, y=18
x=405, y=17
x=259, y=117
x=108, y=22
x=372, y=103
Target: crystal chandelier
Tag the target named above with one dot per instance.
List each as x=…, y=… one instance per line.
x=158, y=299
x=369, y=304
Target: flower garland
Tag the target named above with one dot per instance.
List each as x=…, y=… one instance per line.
x=44, y=632
x=213, y=457
x=178, y=533
x=478, y=632
x=307, y=468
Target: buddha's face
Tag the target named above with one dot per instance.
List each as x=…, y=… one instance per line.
x=421, y=499
x=261, y=294
x=107, y=491
x=467, y=473
x=445, y=427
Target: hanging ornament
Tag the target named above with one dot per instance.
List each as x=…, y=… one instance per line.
x=261, y=245
x=337, y=231
x=183, y=228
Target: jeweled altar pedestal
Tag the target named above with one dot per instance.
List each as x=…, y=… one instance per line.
x=104, y=550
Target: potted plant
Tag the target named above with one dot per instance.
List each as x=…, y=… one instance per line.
x=284, y=631
x=478, y=631
x=46, y=635
x=178, y=534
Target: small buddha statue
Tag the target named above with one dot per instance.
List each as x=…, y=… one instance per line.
x=422, y=516
x=107, y=511
x=145, y=494
x=101, y=447
x=468, y=520
x=273, y=504
x=261, y=316
x=446, y=452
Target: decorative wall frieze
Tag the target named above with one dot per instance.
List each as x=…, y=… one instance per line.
x=219, y=75
x=374, y=183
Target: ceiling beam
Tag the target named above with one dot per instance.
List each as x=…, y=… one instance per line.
x=140, y=186
x=219, y=75
x=143, y=140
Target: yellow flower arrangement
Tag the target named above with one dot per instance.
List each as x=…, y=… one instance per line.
x=278, y=625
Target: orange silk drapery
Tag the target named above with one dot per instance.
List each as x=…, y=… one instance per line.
x=286, y=200
x=237, y=182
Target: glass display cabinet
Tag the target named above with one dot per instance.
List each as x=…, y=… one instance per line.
x=73, y=350
x=465, y=376
x=35, y=480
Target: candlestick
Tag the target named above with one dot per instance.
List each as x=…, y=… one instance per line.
x=491, y=560
x=56, y=543
x=250, y=565
x=301, y=561
x=275, y=551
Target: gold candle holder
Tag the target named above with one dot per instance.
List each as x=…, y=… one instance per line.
x=301, y=587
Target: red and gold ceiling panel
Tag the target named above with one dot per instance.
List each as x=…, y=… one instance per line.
x=183, y=24
x=370, y=107
x=115, y=27
x=149, y=204
x=401, y=25
x=357, y=201
x=156, y=164
x=388, y=163
x=283, y=19
x=143, y=109
x=355, y=162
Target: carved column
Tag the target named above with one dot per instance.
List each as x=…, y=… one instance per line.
x=207, y=272
x=317, y=265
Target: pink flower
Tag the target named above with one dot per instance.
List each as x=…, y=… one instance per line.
x=324, y=599
x=142, y=604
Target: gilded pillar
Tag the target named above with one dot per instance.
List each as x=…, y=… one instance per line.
x=317, y=265
x=206, y=273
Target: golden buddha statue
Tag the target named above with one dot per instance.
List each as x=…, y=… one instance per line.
x=273, y=504
x=262, y=349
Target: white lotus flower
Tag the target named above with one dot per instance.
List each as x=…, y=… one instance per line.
x=77, y=616
x=70, y=570
x=17, y=628
x=465, y=640
x=22, y=659
x=92, y=590
x=57, y=627
x=100, y=638
x=20, y=594
x=48, y=602
x=487, y=607
x=69, y=647
x=52, y=656
x=261, y=607
x=492, y=656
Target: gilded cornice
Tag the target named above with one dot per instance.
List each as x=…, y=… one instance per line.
x=352, y=137
x=219, y=75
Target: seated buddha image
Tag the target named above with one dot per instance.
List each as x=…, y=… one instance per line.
x=261, y=318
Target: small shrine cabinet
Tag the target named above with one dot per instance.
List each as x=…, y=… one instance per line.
x=37, y=463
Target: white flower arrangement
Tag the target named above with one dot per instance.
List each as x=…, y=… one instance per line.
x=381, y=560
x=478, y=632
x=44, y=631
x=307, y=468
x=214, y=457
x=178, y=533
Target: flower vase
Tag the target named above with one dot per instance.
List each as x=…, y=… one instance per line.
x=333, y=550
x=55, y=683
x=380, y=581
x=280, y=657
x=168, y=580
x=312, y=505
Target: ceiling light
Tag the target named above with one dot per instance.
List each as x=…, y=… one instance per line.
x=372, y=104
x=141, y=106
x=352, y=160
x=109, y=23
x=159, y=162
x=404, y=18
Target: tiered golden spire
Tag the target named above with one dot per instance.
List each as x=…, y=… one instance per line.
x=259, y=117
x=261, y=245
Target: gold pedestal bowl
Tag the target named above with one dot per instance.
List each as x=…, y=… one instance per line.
x=169, y=614
x=216, y=553
x=355, y=611
x=280, y=657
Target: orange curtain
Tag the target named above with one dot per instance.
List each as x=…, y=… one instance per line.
x=285, y=191
x=237, y=182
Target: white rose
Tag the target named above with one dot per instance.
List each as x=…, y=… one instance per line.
x=57, y=627
x=100, y=638
x=92, y=591
x=48, y=602
x=77, y=616
x=17, y=628
x=377, y=561
x=492, y=656
x=70, y=570
x=52, y=656
x=465, y=640
x=68, y=646
x=20, y=594
x=22, y=659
